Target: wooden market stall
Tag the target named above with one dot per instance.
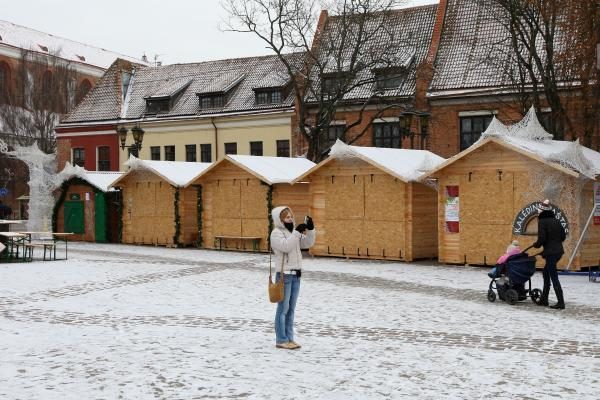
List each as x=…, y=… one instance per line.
x=488, y=196
x=158, y=208
x=238, y=193
x=366, y=203
x=87, y=206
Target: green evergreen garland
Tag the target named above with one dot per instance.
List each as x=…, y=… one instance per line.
x=269, y=209
x=177, y=220
x=63, y=193
x=199, y=209
x=120, y=216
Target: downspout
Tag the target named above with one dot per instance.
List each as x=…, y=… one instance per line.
x=212, y=121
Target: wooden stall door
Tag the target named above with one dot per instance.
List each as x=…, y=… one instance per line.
x=227, y=208
x=384, y=222
x=254, y=217
x=486, y=216
x=344, y=222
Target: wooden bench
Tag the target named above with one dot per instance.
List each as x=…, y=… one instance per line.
x=220, y=240
x=47, y=246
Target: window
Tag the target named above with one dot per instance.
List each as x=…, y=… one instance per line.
x=283, y=148
x=133, y=151
x=78, y=157
x=155, y=153
x=212, y=102
x=157, y=106
x=387, y=135
x=47, y=82
x=546, y=120
x=190, y=152
x=256, y=148
x=84, y=88
x=169, y=153
x=471, y=129
x=330, y=85
x=230, y=148
x=205, y=153
x=268, y=97
x=389, y=79
x=4, y=80
x=332, y=133
x=103, y=158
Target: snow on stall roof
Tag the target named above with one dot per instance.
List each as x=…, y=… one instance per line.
x=529, y=135
x=408, y=165
x=31, y=39
x=178, y=173
x=99, y=179
x=274, y=169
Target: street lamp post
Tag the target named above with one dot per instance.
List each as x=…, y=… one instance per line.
x=138, y=137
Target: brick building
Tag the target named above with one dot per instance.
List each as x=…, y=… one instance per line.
x=36, y=66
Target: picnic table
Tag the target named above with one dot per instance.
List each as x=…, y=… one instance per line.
x=12, y=242
x=6, y=223
x=47, y=241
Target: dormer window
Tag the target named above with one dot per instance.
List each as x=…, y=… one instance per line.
x=268, y=97
x=389, y=78
x=212, y=101
x=155, y=106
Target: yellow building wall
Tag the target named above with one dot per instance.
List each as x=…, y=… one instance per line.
x=240, y=129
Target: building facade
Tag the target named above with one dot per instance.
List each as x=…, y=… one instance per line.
x=188, y=112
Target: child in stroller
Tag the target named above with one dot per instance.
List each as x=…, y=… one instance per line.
x=513, y=270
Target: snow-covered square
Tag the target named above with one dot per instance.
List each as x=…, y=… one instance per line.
x=135, y=322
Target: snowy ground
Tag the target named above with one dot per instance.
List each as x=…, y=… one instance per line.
x=127, y=322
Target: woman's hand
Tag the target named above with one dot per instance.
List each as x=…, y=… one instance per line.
x=301, y=228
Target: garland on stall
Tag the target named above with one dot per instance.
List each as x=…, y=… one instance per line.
x=177, y=219
x=199, y=209
x=63, y=194
x=119, y=204
x=269, y=208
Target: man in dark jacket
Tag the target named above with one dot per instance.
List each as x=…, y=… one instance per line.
x=550, y=235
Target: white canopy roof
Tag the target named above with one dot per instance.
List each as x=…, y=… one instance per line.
x=274, y=169
x=405, y=164
x=177, y=173
x=99, y=179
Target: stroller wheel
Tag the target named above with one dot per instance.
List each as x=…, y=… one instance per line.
x=511, y=296
x=491, y=296
x=536, y=296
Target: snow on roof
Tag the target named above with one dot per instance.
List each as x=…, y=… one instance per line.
x=529, y=135
x=408, y=165
x=178, y=173
x=45, y=43
x=274, y=169
x=99, y=179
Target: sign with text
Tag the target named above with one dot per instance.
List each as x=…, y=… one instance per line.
x=452, y=209
x=530, y=212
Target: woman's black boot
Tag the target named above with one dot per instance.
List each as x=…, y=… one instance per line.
x=561, y=301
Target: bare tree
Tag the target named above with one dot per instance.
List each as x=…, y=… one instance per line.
x=42, y=89
x=538, y=58
x=331, y=65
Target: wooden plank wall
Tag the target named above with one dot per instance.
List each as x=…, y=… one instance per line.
x=188, y=215
x=489, y=202
x=590, y=251
x=423, y=221
x=149, y=213
x=363, y=212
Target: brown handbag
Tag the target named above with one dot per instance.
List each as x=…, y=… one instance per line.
x=276, y=290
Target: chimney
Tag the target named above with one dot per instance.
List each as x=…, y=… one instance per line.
x=437, y=31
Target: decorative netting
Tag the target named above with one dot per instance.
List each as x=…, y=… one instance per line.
x=42, y=182
x=563, y=190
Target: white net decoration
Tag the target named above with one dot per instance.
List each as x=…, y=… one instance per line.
x=496, y=129
x=42, y=175
x=572, y=157
x=341, y=150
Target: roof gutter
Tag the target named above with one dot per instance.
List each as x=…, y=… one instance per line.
x=212, y=121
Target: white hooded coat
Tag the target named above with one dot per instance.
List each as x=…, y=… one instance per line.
x=286, y=245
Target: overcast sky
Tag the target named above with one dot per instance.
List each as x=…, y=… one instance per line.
x=177, y=31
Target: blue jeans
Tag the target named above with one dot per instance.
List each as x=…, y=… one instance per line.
x=284, y=316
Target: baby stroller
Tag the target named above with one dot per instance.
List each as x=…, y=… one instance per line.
x=510, y=279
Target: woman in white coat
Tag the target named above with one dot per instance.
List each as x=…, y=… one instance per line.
x=286, y=241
